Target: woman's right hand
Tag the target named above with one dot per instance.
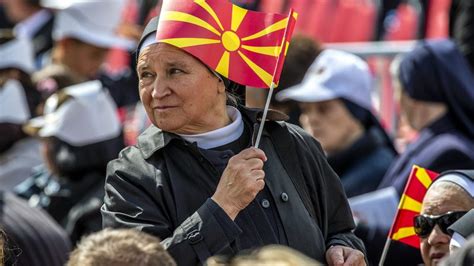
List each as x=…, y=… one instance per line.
x=241, y=181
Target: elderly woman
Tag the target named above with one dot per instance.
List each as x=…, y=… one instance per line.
x=437, y=100
x=448, y=198
x=194, y=180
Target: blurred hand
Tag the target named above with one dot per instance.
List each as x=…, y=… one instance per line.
x=241, y=181
x=344, y=256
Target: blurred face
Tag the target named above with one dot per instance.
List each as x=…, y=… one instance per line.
x=179, y=93
x=442, y=198
x=331, y=123
x=82, y=58
x=18, y=10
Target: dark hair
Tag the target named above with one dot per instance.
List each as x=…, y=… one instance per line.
x=74, y=161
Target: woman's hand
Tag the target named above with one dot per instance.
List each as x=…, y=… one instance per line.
x=344, y=256
x=241, y=181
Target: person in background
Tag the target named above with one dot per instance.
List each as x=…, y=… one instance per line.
x=80, y=132
x=32, y=237
x=335, y=99
x=301, y=54
x=437, y=94
x=448, y=199
x=32, y=22
x=84, y=32
x=120, y=247
x=18, y=103
x=461, y=28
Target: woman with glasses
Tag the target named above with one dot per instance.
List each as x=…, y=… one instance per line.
x=446, y=201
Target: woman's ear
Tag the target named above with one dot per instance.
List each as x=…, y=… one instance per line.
x=220, y=85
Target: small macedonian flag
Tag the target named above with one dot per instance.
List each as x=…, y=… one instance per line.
x=410, y=206
x=247, y=47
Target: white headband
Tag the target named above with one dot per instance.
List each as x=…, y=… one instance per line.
x=459, y=179
x=149, y=40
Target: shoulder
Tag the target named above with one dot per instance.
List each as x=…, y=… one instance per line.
x=448, y=144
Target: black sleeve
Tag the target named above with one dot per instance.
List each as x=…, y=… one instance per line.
x=327, y=194
x=137, y=197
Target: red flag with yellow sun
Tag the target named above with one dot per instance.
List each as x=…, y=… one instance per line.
x=410, y=205
x=245, y=46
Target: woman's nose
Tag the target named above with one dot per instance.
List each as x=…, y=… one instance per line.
x=437, y=237
x=160, y=90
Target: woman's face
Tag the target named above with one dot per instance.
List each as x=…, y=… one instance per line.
x=440, y=199
x=179, y=93
x=330, y=122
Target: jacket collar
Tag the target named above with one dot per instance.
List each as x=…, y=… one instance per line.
x=154, y=139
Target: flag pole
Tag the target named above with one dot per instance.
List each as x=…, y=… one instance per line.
x=385, y=251
x=272, y=85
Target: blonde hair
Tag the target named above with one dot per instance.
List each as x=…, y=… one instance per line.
x=268, y=256
x=120, y=247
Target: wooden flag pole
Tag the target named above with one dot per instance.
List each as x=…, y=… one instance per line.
x=272, y=85
x=385, y=251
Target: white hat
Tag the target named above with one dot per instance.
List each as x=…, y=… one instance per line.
x=87, y=115
x=13, y=105
x=334, y=74
x=91, y=21
x=17, y=53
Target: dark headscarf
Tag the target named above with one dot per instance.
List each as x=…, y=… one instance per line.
x=435, y=71
x=231, y=86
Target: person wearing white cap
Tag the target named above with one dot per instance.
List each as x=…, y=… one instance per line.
x=18, y=102
x=33, y=22
x=448, y=199
x=335, y=101
x=84, y=31
x=80, y=133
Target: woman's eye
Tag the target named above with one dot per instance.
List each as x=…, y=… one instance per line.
x=175, y=71
x=146, y=75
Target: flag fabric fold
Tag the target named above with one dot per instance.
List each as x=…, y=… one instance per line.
x=410, y=205
x=245, y=46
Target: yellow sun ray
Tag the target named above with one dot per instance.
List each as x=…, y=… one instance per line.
x=265, y=50
x=261, y=73
x=409, y=204
x=404, y=232
x=223, y=66
x=188, y=42
x=272, y=28
x=424, y=178
x=211, y=11
x=238, y=15
x=187, y=18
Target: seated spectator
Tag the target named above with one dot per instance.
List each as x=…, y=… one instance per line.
x=120, y=247
x=437, y=100
x=18, y=102
x=448, y=198
x=31, y=236
x=268, y=255
x=83, y=33
x=335, y=99
x=32, y=22
x=80, y=133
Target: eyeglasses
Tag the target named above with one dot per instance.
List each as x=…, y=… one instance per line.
x=424, y=224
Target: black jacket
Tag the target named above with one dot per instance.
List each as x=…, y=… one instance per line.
x=157, y=187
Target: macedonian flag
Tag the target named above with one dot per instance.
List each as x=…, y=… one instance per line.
x=410, y=206
x=245, y=46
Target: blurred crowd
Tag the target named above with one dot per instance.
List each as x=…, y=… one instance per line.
x=69, y=103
